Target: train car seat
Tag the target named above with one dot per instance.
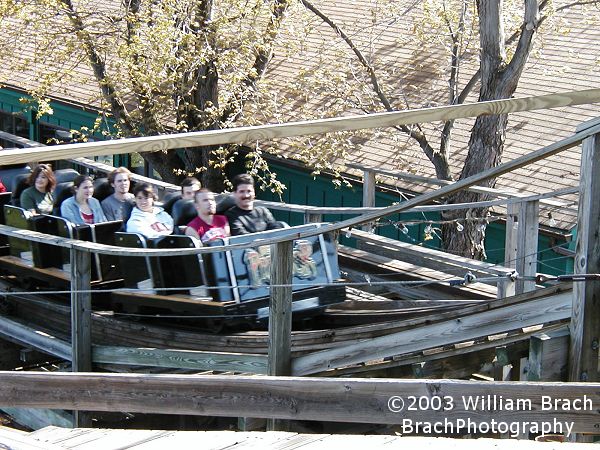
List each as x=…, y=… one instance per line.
x=65, y=175
x=170, y=199
x=18, y=186
x=102, y=188
x=224, y=202
x=62, y=191
x=47, y=255
x=5, y=198
x=183, y=212
x=137, y=271
x=8, y=175
x=18, y=218
x=185, y=272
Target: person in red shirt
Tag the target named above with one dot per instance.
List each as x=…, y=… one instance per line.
x=208, y=226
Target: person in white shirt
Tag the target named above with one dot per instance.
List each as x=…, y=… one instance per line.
x=147, y=219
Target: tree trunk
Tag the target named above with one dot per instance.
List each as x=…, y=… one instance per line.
x=485, y=151
x=498, y=80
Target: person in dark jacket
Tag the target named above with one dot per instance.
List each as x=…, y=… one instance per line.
x=244, y=217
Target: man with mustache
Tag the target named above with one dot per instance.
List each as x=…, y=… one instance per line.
x=244, y=217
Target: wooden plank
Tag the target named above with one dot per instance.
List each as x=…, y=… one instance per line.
x=585, y=322
x=262, y=132
x=219, y=440
x=492, y=192
x=385, y=368
x=18, y=440
x=311, y=217
x=509, y=166
x=280, y=317
x=93, y=439
x=537, y=311
x=428, y=257
x=368, y=194
x=358, y=262
x=527, y=245
x=507, y=289
x=549, y=356
x=180, y=359
x=98, y=166
x=337, y=400
x=81, y=310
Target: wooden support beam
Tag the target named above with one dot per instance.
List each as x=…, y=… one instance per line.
x=280, y=310
x=491, y=192
x=510, y=247
x=311, y=217
x=527, y=245
x=280, y=317
x=549, y=356
x=36, y=418
x=296, y=398
x=585, y=321
x=502, y=365
x=368, y=194
x=81, y=320
x=541, y=310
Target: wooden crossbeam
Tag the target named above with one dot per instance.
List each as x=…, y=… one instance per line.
x=519, y=315
x=338, y=400
x=152, y=357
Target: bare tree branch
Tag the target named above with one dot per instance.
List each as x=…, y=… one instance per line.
x=438, y=159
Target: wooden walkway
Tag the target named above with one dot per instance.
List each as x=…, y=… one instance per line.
x=55, y=438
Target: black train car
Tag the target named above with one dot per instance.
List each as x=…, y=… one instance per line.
x=230, y=285
x=242, y=276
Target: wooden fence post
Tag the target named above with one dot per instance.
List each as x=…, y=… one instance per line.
x=280, y=318
x=81, y=331
x=507, y=288
x=527, y=245
x=368, y=197
x=585, y=317
x=310, y=217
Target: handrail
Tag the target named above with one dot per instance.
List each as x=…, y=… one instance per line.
x=435, y=181
x=426, y=208
x=300, y=398
x=309, y=127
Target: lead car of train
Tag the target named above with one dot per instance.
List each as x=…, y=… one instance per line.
x=224, y=287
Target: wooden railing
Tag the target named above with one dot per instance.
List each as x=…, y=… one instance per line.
x=402, y=402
